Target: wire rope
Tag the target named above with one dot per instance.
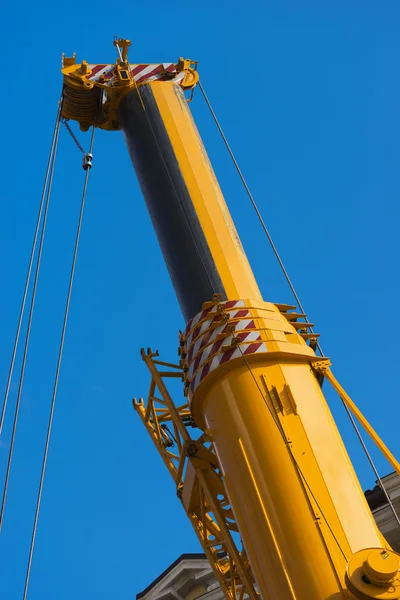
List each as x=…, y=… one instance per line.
x=256, y=209
x=57, y=374
x=28, y=275
x=295, y=295
x=173, y=186
x=30, y=318
x=296, y=464
x=371, y=462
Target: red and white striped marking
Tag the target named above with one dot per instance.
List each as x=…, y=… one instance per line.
x=212, y=335
x=211, y=309
x=245, y=337
x=222, y=332
x=213, y=322
x=99, y=70
x=150, y=72
x=140, y=73
x=224, y=357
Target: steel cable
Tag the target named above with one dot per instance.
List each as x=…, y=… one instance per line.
x=295, y=295
x=28, y=331
x=57, y=374
x=371, y=462
x=71, y=133
x=173, y=186
x=28, y=276
x=256, y=209
x=282, y=434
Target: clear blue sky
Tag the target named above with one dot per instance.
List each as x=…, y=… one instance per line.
x=309, y=96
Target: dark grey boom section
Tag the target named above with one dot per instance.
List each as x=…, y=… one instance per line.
x=183, y=243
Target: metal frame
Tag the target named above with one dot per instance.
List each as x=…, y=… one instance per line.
x=194, y=467
x=322, y=367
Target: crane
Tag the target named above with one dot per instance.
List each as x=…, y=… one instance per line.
x=257, y=460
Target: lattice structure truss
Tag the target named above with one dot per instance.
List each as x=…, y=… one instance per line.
x=194, y=467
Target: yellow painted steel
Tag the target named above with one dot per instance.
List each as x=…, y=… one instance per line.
x=95, y=101
x=224, y=243
x=194, y=468
x=323, y=367
x=299, y=506
x=296, y=498
x=307, y=531
x=374, y=573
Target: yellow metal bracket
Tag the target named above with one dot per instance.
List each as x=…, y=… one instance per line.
x=195, y=469
x=323, y=367
x=189, y=68
x=97, y=89
x=123, y=45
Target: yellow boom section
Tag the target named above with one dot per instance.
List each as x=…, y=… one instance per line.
x=268, y=462
x=209, y=204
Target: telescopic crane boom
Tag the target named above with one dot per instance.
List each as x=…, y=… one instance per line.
x=267, y=483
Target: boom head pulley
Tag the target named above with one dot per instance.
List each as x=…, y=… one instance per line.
x=92, y=89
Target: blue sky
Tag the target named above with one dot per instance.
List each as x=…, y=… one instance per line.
x=308, y=95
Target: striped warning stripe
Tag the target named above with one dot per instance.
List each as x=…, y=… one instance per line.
x=100, y=70
x=140, y=73
x=214, y=321
x=211, y=309
x=211, y=335
x=220, y=359
x=150, y=72
x=220, y=333
x=199, y=317
x=212, y=349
